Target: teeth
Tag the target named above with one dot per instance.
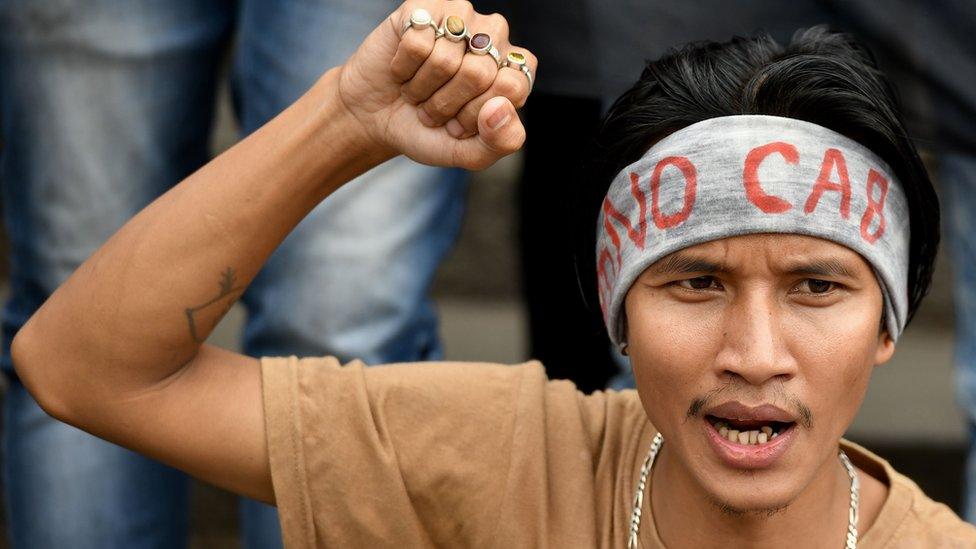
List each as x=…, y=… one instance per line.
x=760, y=436
x=745, y=437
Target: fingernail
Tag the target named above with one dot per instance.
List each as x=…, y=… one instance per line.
x=425, y=118
x=499, y=117
x=455, y=128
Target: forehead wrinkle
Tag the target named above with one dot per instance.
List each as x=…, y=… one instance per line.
x=775, y=253
x=821, y=267
x=683, y=262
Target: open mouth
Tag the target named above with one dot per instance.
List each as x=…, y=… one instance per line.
x=749, y=437
x=748, y=432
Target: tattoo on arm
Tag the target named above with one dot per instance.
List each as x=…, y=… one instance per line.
x=227, y=296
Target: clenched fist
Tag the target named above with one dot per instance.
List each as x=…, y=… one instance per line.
x=436, y=92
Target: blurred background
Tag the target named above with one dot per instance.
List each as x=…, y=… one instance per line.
x=910, y=416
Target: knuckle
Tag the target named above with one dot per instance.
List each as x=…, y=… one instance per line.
x=482, y=75
x=509, y=86
x=500, y=24
x=442, y=64
x=415, y=47
x=399, y=72
x=497, y=19
x=468, y=69
x=474, y=76
x=438, y=73
x=438, y=107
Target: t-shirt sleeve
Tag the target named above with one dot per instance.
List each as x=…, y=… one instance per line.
x=428, y=454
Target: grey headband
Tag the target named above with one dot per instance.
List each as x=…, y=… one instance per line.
x=739, y=175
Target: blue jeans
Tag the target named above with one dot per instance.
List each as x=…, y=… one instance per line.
x=957, y=175
x=105, y=105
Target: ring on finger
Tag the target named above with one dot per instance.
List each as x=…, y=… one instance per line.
x=493, y=52
x=479, y=44
x=454, y=29
x=516, y=60
x=420, y=19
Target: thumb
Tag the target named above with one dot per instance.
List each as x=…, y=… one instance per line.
x=500, y=133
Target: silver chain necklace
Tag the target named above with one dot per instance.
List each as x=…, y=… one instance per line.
x=635, y=517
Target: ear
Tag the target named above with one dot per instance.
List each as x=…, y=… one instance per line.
x=885, y=350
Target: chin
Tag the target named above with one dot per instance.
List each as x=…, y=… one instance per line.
x=752, y=498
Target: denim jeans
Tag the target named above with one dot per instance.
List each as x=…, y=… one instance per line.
x=957, y=175
x=105, y=105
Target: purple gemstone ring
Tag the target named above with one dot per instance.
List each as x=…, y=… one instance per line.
x=479, y=44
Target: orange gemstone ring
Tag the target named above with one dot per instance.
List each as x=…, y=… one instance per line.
x=454, y=29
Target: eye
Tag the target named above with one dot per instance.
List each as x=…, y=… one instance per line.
x=699, y=283
x=817, y=286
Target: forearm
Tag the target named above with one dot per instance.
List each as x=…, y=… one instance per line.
x=140, y=307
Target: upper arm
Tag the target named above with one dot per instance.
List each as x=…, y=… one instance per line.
x=207, y=420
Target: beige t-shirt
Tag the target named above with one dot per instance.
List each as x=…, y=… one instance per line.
x=483, y=455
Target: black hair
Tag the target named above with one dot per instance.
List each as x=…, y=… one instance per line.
x=823, y=77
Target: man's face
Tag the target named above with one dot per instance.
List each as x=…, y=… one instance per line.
x=771, y=333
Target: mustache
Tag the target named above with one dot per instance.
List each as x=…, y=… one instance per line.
x=781, y=398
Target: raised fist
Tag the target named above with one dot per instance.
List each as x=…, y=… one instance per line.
x=439, y=83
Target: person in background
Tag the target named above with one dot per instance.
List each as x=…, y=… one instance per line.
x=106, y=105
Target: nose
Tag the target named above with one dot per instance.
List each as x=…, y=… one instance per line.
x=754, y=344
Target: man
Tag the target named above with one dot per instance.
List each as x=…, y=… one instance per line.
x=935, y=72
x=755, y=264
